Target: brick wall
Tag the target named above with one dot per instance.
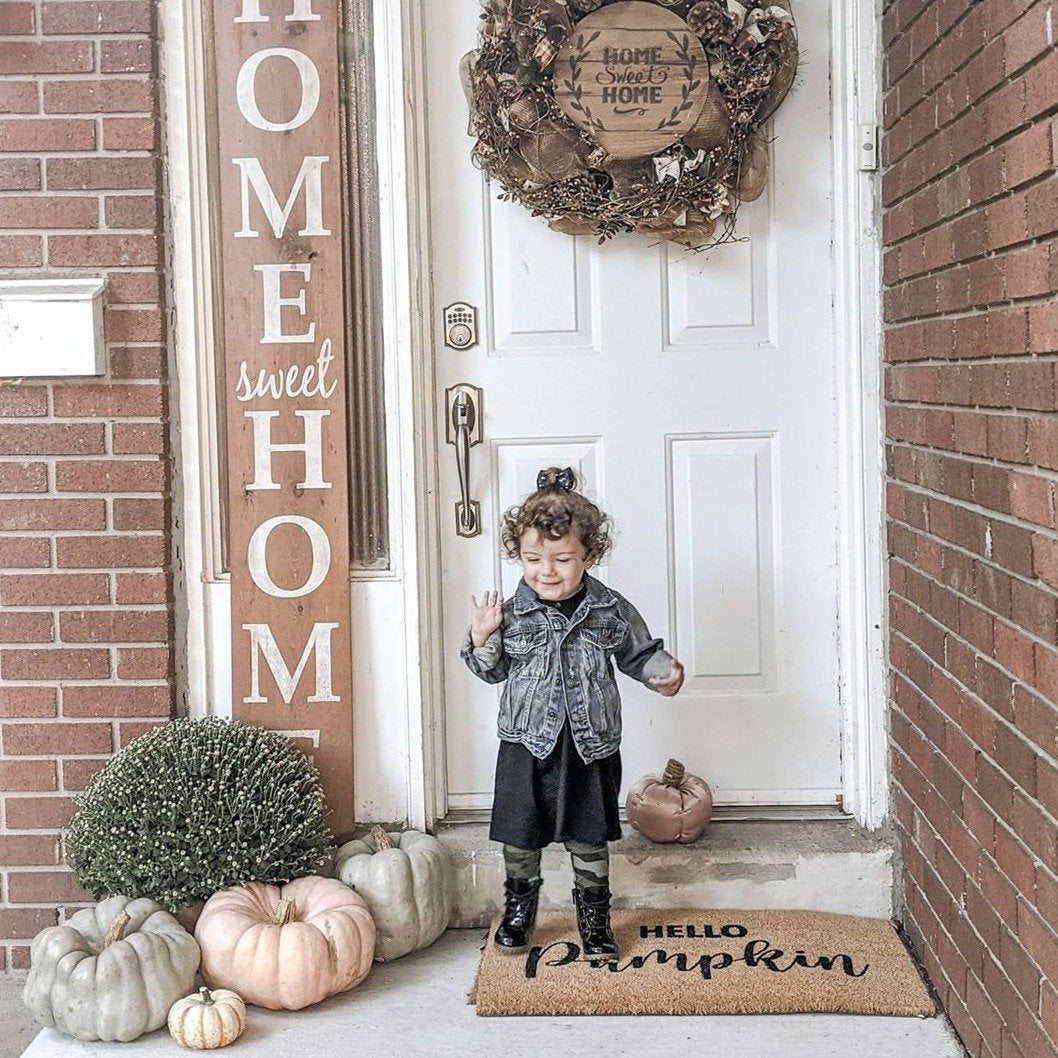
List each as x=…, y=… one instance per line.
x=85, y=628
x=971, y=269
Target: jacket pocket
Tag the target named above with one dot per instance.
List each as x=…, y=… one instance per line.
x=604, y=709
x=605, y=634
x=527, y=653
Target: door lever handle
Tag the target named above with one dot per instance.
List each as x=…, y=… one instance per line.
x=463, y=429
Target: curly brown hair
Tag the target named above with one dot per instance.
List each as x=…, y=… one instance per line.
x=553, y=510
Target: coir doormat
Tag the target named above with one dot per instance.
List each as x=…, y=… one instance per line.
x=707, y=962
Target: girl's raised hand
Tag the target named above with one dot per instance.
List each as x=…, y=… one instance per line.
x=486, y=616
x=671, y=684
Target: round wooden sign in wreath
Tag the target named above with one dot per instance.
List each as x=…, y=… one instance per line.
x=605, y=116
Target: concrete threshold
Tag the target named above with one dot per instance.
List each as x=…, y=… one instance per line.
x=417, y=1007
x=818, y=865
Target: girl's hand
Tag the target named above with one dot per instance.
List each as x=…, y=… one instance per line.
x=486, y=616
x=671, y=683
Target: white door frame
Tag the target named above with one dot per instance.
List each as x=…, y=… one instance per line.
x=860, y=551
x=203, y=639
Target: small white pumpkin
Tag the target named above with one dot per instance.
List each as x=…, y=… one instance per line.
x=208, y=1020
x=405, y=879
x=112, y=971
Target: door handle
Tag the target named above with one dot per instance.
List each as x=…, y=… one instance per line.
x=463, y=429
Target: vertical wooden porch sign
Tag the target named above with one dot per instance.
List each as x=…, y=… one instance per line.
x=284, y=357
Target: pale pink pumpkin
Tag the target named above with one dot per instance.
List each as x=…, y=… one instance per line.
x=673, y=806
x=286, y=948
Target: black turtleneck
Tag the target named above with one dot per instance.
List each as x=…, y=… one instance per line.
x=566, y=607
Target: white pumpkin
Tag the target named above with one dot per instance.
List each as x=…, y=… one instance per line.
x=208, y=1020
x=405, y=880
x=112, y=971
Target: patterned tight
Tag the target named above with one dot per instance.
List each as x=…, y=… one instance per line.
x=591, y=863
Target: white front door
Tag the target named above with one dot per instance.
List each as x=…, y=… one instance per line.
x=695, y=395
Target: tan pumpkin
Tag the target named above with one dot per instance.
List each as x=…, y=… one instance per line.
x=674, y=806
x=208, y=1020
x=286, y=948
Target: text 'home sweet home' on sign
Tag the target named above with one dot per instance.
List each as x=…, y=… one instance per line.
x=633, y=76
x=280, y=235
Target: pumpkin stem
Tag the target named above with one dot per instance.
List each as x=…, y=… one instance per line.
x=284, y=913
x=116, y=929
x=674, y=773
x=381, y=838
x=205, y=995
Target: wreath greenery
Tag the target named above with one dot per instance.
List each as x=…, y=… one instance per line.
x=688, y=192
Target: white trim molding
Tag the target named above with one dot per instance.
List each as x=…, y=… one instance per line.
x=861, y=537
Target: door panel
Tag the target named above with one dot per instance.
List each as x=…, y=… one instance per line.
x=695, y=396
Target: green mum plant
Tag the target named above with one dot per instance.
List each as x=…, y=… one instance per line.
x=197, y=806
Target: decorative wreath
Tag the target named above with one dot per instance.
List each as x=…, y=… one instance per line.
x=607, y=116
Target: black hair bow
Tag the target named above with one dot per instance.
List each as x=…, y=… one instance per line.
x=564, y=481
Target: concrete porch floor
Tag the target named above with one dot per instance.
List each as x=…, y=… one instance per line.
x=417, y=1006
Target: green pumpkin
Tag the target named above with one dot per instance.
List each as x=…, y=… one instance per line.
x=112, y=971
x=405, y=880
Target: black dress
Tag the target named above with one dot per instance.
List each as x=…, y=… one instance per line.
x=559, y=798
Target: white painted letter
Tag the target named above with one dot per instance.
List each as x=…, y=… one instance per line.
x=257, y=556
x=309, y=175
x=263, y=447
x=246, y=92
x=263, y=642
x=273, y=304
x=251, y=12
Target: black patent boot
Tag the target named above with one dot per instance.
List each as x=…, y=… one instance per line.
x=512, y=934
x=593, y=921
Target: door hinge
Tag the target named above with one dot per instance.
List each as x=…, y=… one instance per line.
x=868, y=147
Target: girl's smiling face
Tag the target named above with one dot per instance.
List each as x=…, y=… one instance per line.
x=552, y=568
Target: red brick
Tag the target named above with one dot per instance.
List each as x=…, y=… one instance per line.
x=139, y=438
x=138, y=363
x=19, y=174
x=23, y=627
x=101, y=174
x=54, y=664
x=26, y=552
x=24, y=702
x=41, y=439
x=102, y=16
x=49, y=213
x=23, y=477
x=134, y=325
x=29, y=776
x=128, y=701
x=128, y=731
x=16, y=19
x=53, y=56
x=100, y=250
x=114, y=626
x=18, y=97
x=118, y=401
x=54, y=589
x=24, y=923
x=111, y=552
x=28, y=850
x=126, y=56
x=45, y=887
x=21, y=251
x=142, y=588
x=109, y=95
x=53, y=738
x=143, y=663
x=109, y=475
x=47, y=134
x=132, y=211
x=77, y=773
x=130, y=134
x=30, y=515
x=18, y=401
x=38, y=813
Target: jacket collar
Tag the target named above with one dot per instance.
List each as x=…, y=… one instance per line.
x=596, y=594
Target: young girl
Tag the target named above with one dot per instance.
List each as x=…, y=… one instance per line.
x=558, y=772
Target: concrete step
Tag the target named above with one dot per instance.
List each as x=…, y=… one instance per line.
x=818, y=865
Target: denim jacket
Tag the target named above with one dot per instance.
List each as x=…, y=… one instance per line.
x=554, y=666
